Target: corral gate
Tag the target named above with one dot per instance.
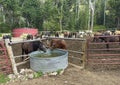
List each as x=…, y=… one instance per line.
x=5, y=64
x=98, y=54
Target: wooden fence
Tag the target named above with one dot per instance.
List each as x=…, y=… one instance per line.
x=80, y=58
x=77, y=51
x=13, y=57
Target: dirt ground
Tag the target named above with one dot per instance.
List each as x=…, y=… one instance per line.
x=74, y=76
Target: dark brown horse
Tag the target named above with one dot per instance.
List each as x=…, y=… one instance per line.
x=29, y=47
x=7, y=37
x=106, y=37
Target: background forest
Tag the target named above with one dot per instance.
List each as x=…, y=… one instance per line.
x=59, y=15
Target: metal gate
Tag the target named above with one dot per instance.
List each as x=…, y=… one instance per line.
x=5, y=64
x=98, y=53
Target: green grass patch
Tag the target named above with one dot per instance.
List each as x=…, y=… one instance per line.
x=38, y=74
x=3, y=78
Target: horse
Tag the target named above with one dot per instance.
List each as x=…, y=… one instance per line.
x=56, y=34
x=58, y=43
x=105, y=37
x=7, y=37
x=29, y=47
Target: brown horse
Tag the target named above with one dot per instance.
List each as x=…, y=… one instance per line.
x=58, y=43
x=29, y=47
x=106, y=37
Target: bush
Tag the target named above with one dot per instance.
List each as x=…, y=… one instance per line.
x=99, y=27
x=0, y=34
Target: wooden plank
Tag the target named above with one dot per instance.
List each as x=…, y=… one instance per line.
x=107, y=36
x=104, y=55
x=15, y=42
x=76, y=66
x=10, y=53
x=115, y=63
x=107, y=59
x=96, y=43
x=76, y=58
x=17, y=64
x=20, y=56
x=76, y=51
x=84, y=47
x=103, y=49
x=66, y=38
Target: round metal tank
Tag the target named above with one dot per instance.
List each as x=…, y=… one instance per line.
x=17, y=32
x=50, y=64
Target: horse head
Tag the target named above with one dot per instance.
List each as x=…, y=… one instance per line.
x=58, y=43
x=42, y=47
x=29, y=37
x=7, y=37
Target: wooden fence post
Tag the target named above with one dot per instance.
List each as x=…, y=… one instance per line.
x=84, y=53
x=10, y=54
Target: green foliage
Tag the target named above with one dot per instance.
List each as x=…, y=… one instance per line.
x=3, y=78
x=56, y=14
x=0, y=34
x=99, y=27
x=38, y=74
x=4, y=28
x=59, y=70
x=114, y=6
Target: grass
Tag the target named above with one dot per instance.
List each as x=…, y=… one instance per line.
x=3, y=78
x=38, y=74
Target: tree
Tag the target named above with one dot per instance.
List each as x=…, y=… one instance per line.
x=115, y=10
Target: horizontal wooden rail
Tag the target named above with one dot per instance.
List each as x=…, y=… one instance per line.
x=66, y=38
x=103, y=49
x=103, y=54
x=20, y=56
x=76, y=51
x=96, y=43
x=108, y=36
x=115, y=63
x=17, y=64
x=76, y=58
x=15, y=42
x=107, y=59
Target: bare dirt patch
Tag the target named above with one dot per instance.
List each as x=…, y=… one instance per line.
x=75, y=76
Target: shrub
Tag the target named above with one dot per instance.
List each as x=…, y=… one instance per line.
x=99, y=27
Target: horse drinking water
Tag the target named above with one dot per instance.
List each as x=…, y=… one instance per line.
x=58, y=43
x=29, y=47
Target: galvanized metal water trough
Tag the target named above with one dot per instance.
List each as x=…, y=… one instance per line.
x=49, y=64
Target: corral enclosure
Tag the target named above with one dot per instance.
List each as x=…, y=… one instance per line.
x=79, y=55
x=74, y=75
x=74, y=46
